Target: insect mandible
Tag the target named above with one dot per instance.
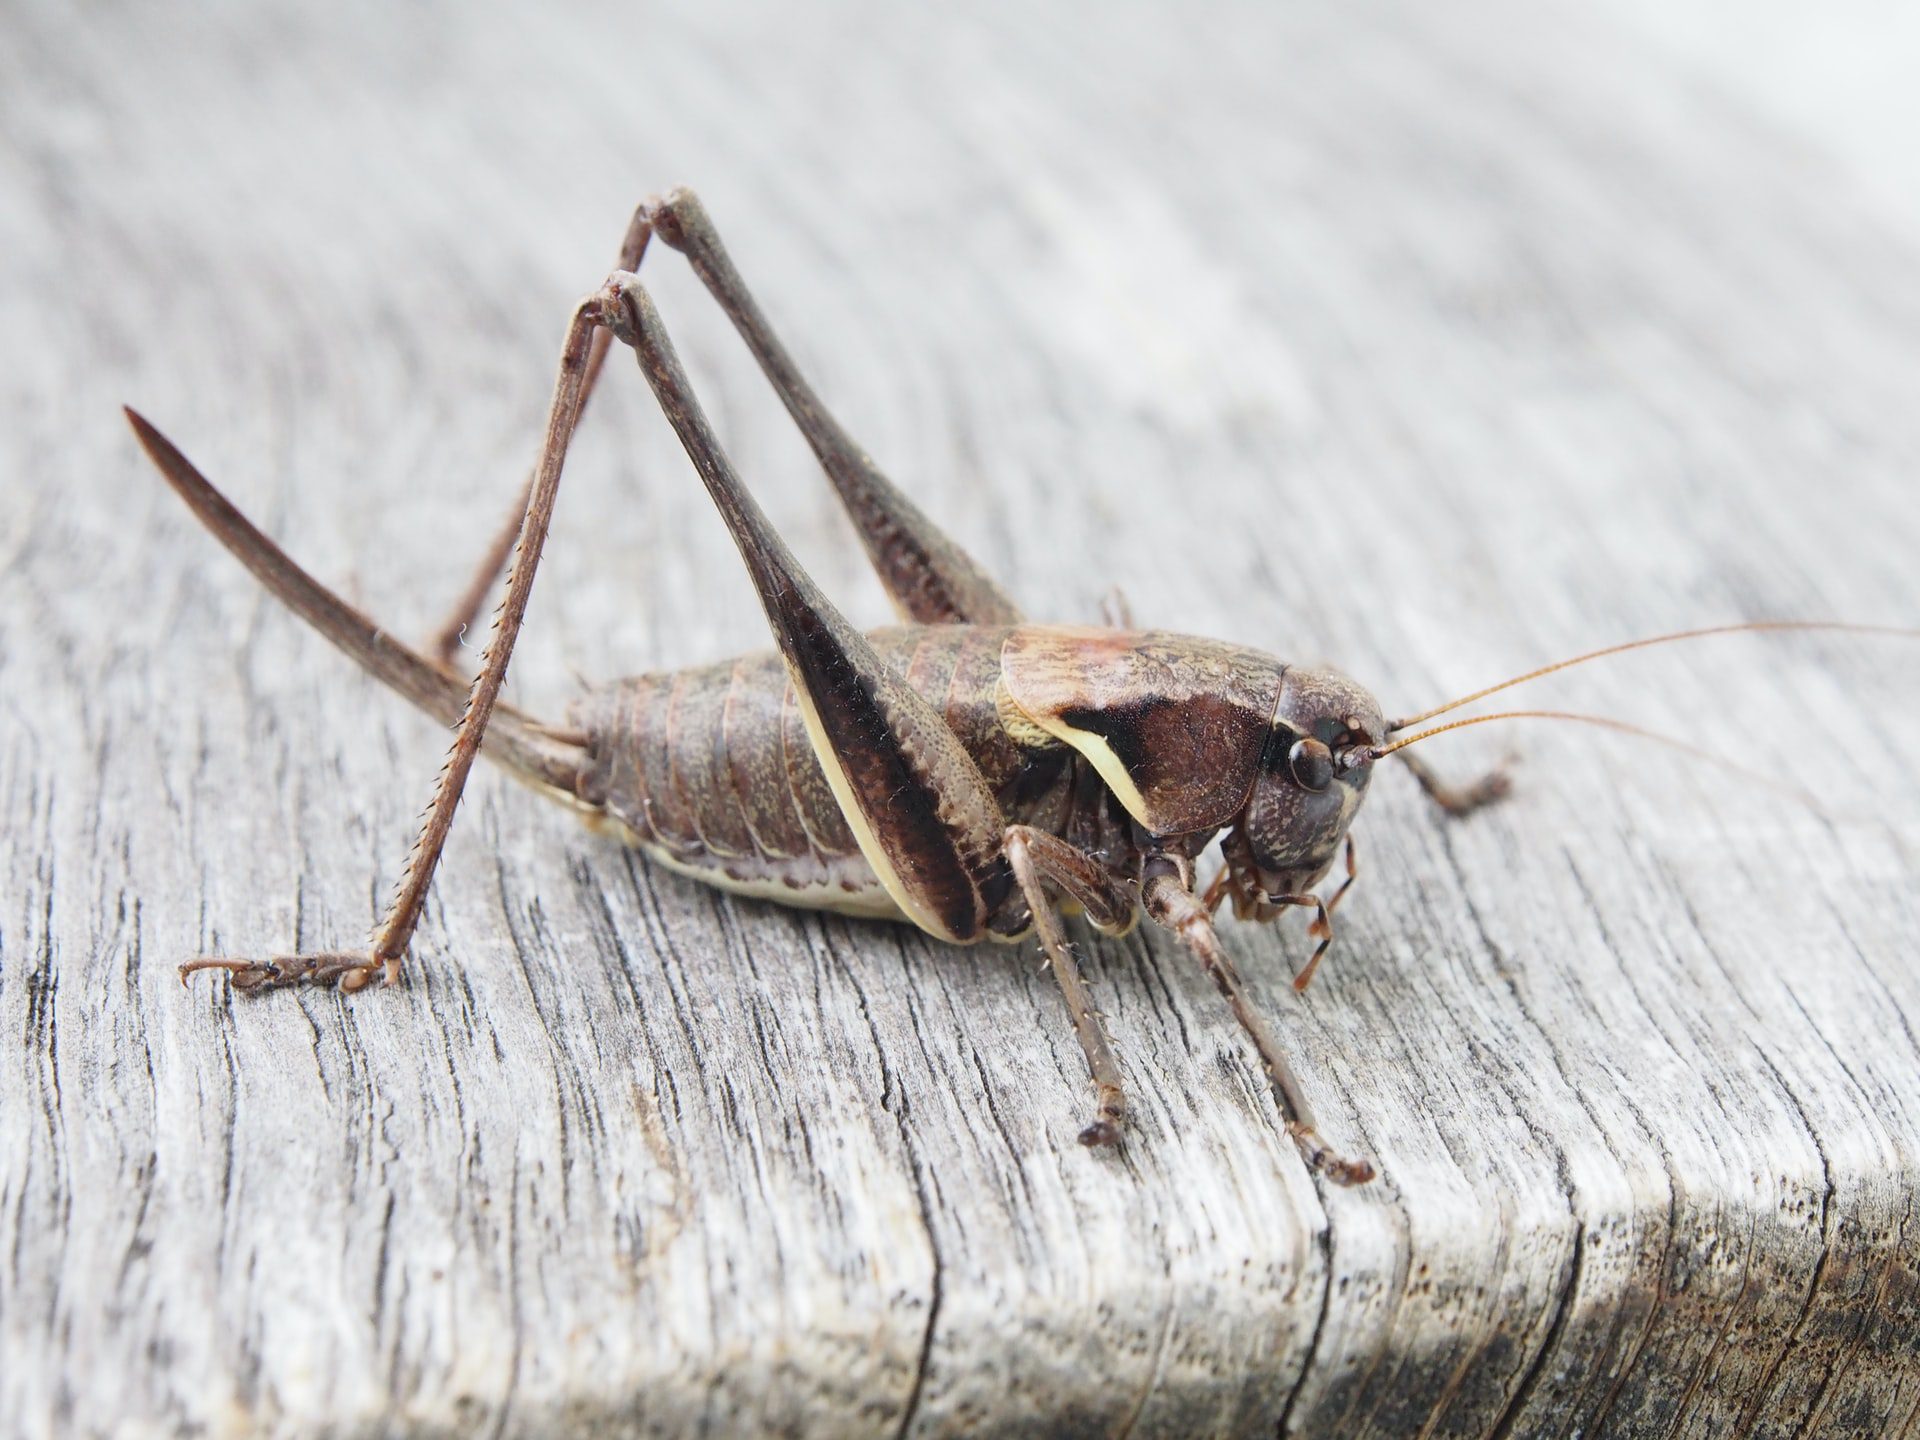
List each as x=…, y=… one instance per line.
x=966, y=770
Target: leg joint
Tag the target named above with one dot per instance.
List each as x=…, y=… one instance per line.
x=672, y=214
x=623, y=308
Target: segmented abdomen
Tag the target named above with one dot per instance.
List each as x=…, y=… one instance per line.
x=711, y=771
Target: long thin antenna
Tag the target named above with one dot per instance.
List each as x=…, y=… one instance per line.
x=1607, y=722
x=1830, y=625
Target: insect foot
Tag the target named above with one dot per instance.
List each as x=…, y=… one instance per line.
x=1322, y=1157
x=350, y=971
x=1111, y=1117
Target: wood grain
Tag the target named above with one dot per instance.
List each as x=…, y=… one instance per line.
x=1434, y=342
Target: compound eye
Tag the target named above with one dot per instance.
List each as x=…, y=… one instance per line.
x=1311, y=763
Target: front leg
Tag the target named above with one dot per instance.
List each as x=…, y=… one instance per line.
x=1167, y=892
x=1459, y=801
x=1322, y=927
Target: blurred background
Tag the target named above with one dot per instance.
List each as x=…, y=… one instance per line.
x=1087, y=264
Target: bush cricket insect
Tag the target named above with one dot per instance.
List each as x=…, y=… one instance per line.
x=966, y=771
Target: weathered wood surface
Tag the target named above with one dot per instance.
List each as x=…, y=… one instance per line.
x=1437, y=341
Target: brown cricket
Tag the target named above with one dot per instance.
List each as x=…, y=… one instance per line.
x=966, y=770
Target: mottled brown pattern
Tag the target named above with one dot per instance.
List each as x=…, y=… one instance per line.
x=653, y=743
x=969, y=673
x=1187, y=717
x=713, y=763
x=1288, y=835
x=759, y=771
x=703, y=782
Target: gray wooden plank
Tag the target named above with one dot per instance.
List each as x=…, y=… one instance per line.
x=1436, y=344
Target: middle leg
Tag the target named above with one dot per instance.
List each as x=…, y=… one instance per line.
x=1032, y=853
